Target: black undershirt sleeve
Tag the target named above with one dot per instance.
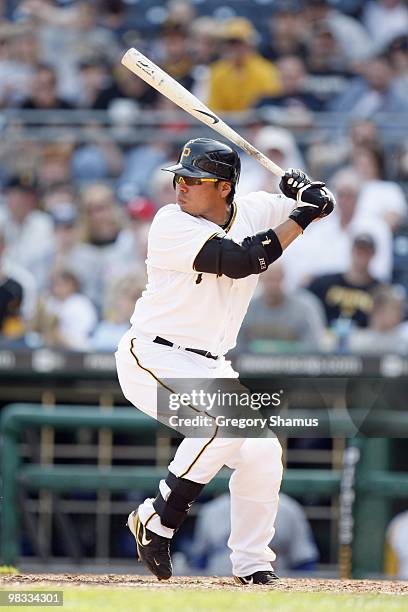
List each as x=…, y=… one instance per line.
x=253, y=256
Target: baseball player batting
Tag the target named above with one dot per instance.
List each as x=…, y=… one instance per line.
x=205, y=254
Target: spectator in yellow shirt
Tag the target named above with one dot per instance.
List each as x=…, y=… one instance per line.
x=242, y=75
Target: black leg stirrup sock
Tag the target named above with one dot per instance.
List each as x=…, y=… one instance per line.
x=174, y=509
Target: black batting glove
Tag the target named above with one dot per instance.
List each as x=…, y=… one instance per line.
x=315, y=201
x=292, y=181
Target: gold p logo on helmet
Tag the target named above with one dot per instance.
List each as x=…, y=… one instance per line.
x=186, y=153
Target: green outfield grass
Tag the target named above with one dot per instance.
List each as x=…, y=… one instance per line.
x=90, y=600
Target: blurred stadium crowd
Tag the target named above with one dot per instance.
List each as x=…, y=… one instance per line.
x=75, y=210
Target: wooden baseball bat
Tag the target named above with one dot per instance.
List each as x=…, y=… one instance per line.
x=144, y=68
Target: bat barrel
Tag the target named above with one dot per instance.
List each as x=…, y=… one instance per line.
x=144, y=68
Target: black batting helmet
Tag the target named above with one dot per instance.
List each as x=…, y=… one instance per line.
x=208, y=158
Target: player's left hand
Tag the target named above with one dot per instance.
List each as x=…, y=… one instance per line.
x=316, y=195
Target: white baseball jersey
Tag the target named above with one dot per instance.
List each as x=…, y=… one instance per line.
x=202, y=311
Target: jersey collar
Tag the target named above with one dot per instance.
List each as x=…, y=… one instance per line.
x=227, y=226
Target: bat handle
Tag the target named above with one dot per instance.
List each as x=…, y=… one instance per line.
x=260, y=157
x=269, y=164
x=277, y=170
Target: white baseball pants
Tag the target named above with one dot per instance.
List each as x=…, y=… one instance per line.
x=255, y=482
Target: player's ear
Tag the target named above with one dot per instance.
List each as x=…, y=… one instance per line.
x=225, y=188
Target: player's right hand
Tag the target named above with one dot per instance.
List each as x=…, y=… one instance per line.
x=315, y=201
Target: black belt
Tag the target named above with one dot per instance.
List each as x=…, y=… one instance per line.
x=159, y=340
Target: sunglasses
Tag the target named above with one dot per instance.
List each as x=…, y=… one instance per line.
x=191, y=180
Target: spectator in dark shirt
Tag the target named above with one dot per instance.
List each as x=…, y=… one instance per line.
x=324, y=56
x=115, y=16
x=286, y=31
x=124, y=84
x=397, y=53
x=328, y=75
x=94, y=75
x=176, y=57
x=11, y=297
x=44, y=95
x=294, y=94
x=349, y=294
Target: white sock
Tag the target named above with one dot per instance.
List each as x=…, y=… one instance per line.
x=145, y=511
